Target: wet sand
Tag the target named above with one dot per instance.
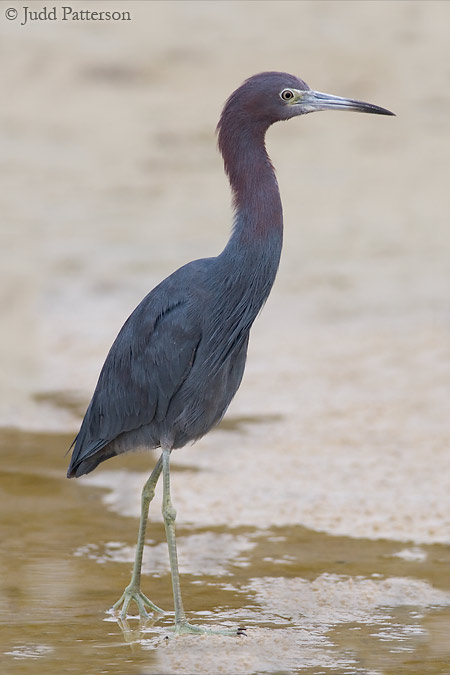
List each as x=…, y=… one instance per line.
x=318, y=513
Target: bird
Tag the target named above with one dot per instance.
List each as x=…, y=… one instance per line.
x=179, y=359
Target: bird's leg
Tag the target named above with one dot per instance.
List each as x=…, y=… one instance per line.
x=169, y=515
x=133, y=590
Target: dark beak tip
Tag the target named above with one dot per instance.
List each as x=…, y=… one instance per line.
x=377, y=110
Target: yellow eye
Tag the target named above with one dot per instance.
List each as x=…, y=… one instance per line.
x=287, y=95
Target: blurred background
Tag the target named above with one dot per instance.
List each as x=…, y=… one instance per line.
x=110, y=179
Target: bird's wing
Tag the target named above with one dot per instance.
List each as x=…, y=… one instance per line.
x=147, y=363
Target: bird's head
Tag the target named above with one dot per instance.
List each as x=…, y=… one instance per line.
x=271, y=97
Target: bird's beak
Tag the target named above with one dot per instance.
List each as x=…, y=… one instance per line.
x=316, y=100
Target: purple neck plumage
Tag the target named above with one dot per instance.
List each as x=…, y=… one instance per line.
x=256, y=197
x=251, y=257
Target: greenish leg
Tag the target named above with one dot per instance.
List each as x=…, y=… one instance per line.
x=169, y=515
x=133, y=590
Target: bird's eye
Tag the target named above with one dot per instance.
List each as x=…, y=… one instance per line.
x=287, y=95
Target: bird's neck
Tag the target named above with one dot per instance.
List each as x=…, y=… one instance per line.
x=256, y=196
x=258, y=226
x=249, y=262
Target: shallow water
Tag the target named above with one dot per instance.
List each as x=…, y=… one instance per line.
x=311, y=602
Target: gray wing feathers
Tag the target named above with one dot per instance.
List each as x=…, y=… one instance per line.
x=146, y=365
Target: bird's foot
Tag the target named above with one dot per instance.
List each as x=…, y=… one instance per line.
x=134, y=594
x=185, y=628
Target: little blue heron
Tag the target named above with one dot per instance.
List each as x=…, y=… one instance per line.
x=177, y=362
